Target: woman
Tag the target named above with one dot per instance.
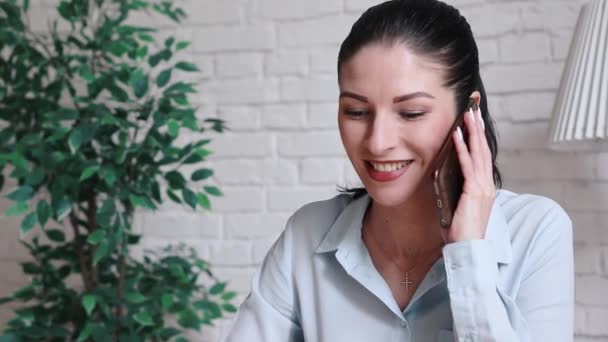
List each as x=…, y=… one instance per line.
x=374, y=263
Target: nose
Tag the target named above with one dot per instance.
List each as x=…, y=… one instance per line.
x=382, y=134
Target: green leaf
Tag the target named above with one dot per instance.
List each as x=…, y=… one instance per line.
x=135, y=297
x=9, y=338
x=108, y=173
x=62, y=208
x=89, y=302
x=201, y=174
x=75, y=140
x=163, y=78
x=55, y=235
x=190, y=197
x=144, y=318
x=166, y=301
x=203, y=200
x=101, y=251
x=175, y=179
x=186, y=66
x=28, y=223
x=17, y=209
x=217, y=288
x=43, y=209
x=139, y=201
x=97, y=236
x=88, y=172
x=229, y=295
x=173, y=127
x=172, y=196
x=229, y=307
x=169, y=42
x=212, y=190
x=181, y=45
x=146, y=38
x=85, y=333
x=139, y=83
x=168, y=332
x=21, y=194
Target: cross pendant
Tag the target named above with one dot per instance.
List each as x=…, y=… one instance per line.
x=407, y=281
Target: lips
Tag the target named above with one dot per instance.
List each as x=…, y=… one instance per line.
x=387, y=171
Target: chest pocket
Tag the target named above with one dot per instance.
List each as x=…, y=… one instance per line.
x=445, y=336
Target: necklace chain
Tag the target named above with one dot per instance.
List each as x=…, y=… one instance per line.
x=407, y=282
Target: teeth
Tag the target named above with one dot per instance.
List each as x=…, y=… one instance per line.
x=388, y=167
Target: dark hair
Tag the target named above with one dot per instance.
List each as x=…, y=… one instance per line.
x=430, y=28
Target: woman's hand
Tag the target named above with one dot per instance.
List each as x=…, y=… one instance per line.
x=473, y=210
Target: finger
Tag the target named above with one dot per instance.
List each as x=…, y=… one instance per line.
x=474, y=139
x=464, y=157
x=485, y=152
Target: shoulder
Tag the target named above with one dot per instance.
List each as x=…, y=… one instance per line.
x=311, y=222
x=532, y=217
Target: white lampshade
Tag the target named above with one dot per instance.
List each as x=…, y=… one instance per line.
x=580, y=114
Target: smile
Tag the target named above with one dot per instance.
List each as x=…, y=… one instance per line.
x=387, y=171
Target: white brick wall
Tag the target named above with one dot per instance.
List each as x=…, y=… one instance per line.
x=269, y=69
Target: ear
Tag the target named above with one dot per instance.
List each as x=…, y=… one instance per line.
x=476, y=96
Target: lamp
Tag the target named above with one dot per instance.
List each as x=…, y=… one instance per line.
x=580, y=114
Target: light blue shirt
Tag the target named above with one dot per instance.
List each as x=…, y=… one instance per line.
x=318, y=282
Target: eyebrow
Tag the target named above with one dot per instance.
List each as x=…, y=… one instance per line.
x=395, y=100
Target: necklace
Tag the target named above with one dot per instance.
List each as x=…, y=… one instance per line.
x=407, y=282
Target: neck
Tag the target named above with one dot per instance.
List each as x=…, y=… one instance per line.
x=406, y=231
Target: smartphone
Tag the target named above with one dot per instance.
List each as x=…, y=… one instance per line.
x=446, y=172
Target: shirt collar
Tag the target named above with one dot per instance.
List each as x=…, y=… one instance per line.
x=345, y=233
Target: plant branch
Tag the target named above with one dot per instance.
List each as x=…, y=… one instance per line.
x=82, y=259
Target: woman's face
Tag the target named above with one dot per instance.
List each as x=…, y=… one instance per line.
x=394, y=115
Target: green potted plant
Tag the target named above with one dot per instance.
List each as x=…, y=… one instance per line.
x=89, y=121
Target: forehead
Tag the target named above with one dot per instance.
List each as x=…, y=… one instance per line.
x=391, y=67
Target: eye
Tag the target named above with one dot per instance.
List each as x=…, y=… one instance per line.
x=411, y=115
x=356, y=113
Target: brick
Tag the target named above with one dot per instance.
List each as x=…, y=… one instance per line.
x=292, y=199
x=536, y=164
x=324, y=59
x=559, y=14
x=287, y=62
x=233, y=38
x=150, y=243
x=314, y=32
x=283, y=116
x=522, y=135
x=242, y=91
x=360, y=5
x=206, y=65
x=604, y=259
x=553, y=190
x=528, y=106
x=586, y=195
x=561, y=39
x=580, y=319
x=240, y=118
x=182, y=225
x=521, y=77
x=230, y=253
x=587, y=260
x=238, y=171
x=239, y=199
x=238, y=278
x=296, y=9
x=241, y=145
x=488, y=50
x=602, y=166
x=254, y=226
x=585, y=227
x=314, y=88
x=351, y=178
x=323, y=115
x=306, y=144
x=322, y=171
x=596, y=321
x=239, y=65
x=526, y=47
x=590, y=290
x=280, y=172
x=484, y=24
x=213, y=11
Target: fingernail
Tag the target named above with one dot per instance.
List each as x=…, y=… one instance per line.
x=471, y=114
x=459, y=133
x=483, y=124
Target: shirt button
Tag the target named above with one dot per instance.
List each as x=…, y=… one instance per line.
x=454, y=266
x=403, y=324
